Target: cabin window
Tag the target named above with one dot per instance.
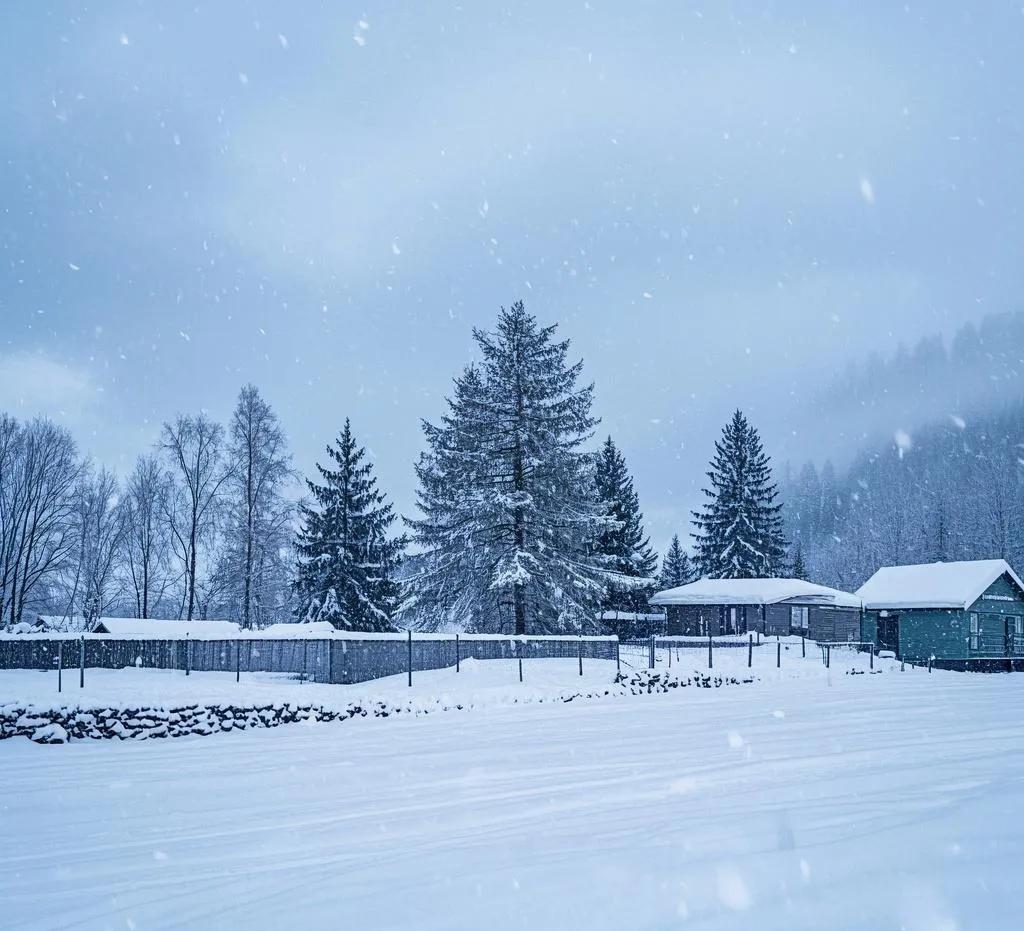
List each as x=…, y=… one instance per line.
x=974, y=631
x=799, y=618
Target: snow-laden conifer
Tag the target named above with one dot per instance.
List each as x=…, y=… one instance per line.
x=676, y=568
x=346, y=559
x=739, y=529
x=622, y=543
x=508, y=509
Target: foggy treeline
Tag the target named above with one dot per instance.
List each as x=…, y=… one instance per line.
x=948, y=491
x=980, y=370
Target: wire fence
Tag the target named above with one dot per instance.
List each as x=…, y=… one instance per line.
x=760, y=651
x=338, y=660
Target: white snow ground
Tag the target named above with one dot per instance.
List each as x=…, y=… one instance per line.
x=486, y=681
x=814, y=800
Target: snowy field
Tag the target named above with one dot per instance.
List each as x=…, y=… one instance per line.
x=811, y=799
x=477, y=682
x=486, y=681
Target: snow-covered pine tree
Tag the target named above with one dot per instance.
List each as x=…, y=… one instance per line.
x=509, y=513
x=739, y=529
x=621, y=542
x=676, y=568
x=346, y=559
x=798, y=570
x=448, y=583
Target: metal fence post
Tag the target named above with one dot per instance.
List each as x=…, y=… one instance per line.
x=305, y=660
x=81, y=663
x=711, y=659
x=60, y=664
x=410, y=657
x=750, y=651
x=188, y=653
x=581, y=654
x=929, y=664
x=803, y=644
x=651, y=655
x=828, y=657
x=871, y=650
x=520, y=667
x=456, y=652
x=778, y=654
x=238, y=660
x=618, y=664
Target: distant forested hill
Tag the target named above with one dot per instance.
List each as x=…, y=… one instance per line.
x=981, y=370
x=940, y=474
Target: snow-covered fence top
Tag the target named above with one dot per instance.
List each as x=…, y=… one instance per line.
x=279, y=632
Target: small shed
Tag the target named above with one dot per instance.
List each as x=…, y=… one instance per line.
x=133, y=628
x=961, y=615
x=768, y=606
x=633, y=625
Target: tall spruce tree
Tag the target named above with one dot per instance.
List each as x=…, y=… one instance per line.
x=508, y=511
x=676, y=568
x=626, y=551
x=739, y=529
x=346, y=559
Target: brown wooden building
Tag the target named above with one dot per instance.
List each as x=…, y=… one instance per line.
x=768, y=606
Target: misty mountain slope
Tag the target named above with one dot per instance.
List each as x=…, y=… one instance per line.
x=950, y=490
x=981, y=370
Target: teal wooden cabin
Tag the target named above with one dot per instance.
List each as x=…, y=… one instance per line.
x=961, y=615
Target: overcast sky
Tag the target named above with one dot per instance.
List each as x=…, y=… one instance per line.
x=718, y=203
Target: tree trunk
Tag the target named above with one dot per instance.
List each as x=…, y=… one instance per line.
x=246, y=595
x=191, y=573
x=519, y=519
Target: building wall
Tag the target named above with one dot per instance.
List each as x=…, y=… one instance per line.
x=992, y=609
x=941, y=633
x=777, y=620
x=924, y=632
x=827, y=623
x=693, y=620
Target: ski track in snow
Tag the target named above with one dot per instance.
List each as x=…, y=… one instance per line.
x=882, y=801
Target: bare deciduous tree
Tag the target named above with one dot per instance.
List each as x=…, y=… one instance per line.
x=193, y=445
x=259, y=469
x=98, y=531
x=39, y=469
x=146, y=542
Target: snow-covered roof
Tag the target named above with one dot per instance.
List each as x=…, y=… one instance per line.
x=130, y=627
x=934, y=585
x=754, y=592
x=60, y=622
x=630, y=616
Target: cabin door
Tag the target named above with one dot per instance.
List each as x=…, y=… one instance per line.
x=1014, y=635
x=888, y=634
